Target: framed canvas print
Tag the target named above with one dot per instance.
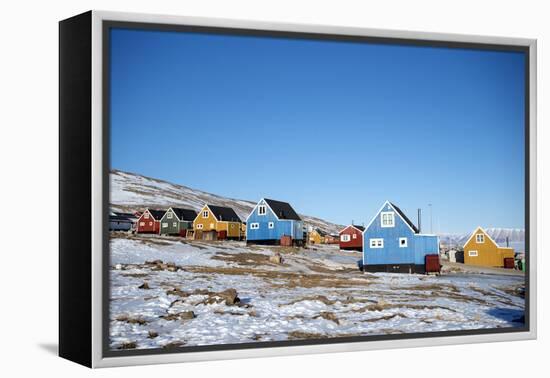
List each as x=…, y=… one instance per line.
x=231, y=189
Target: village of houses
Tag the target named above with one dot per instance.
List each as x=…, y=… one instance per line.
x=181, y=277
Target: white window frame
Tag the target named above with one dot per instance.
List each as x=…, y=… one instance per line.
x=150, y=223
x=199, y=226
x=271, y=225
x=175, y=224
x=403, y=245
x=478, y=238
x=376, y=243
x=392, y=217
x=344, y=238
x=146, y=216
x=254, y=226
x=473, y=254
x=169, y=215
x=142, y=224
x=262, y=209
x=354, y=236
x=205, y=214
x=165, y=224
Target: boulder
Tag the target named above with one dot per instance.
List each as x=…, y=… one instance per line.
x=276, y=259
x=187, y=315
x=144, y=286
x=230, y=297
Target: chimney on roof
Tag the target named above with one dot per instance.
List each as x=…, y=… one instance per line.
x=419, y=220
x=352, y=222
x=507, y=241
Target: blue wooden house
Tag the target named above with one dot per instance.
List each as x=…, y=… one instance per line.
x=271, y=220
x=392, y=243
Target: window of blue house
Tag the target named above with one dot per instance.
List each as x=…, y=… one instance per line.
x=271, y=225
x=261, y=210
x=403, y=242
x=387, y=219
x=254, y=226
x=376, y=243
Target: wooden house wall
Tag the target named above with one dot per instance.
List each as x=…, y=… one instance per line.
x=353, y=243
x=233, y=228
x=149, y=225
x=418, y=245
x=391, y=253
x=209, y=223
x=489, y=253
x=315, y=238
x=292, y=228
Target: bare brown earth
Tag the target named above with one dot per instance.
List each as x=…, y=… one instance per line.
x=311, y=288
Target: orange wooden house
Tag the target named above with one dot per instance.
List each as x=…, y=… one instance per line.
x=482, y=250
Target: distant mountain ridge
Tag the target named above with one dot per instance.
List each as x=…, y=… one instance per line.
x=131, y=191
x=516, y=237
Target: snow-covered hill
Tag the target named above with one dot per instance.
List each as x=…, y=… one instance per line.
x=130, y=191
x=516, y=237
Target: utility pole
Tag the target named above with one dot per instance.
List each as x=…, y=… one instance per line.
x=431, y=220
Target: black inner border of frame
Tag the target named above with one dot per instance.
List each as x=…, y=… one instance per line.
x=107, y=25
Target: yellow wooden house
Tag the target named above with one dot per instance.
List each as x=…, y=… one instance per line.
x=316, y=237
x=217, y=222
x=481, y=249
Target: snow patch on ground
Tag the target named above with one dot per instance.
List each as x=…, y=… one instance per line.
x=315, y=293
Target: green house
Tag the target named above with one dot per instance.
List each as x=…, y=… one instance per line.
x=177, y=221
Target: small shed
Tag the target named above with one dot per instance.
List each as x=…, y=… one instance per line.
x=351, y=238
x=452, y=255
x=332, y=239
x=316, y=236
x=120, y=222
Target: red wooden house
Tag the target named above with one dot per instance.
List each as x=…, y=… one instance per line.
x=351, y=238
x=149, y=222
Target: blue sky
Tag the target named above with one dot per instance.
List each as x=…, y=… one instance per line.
x=333, y=128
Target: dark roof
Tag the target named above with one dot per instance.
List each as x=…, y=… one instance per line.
x=119, y=218
x=405, y=218
x=282, y=210
x=224, y=213
x=126, y=215
x=157, y=214
x=321, y=232
x=360, y=228
x=184, y=214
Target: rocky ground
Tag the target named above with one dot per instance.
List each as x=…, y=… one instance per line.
x=167, y=292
